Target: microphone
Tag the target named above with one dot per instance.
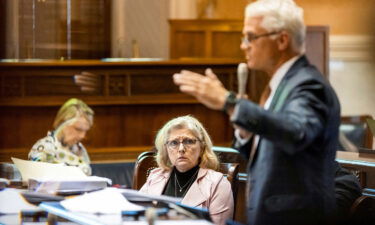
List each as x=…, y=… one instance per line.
x=242, y=79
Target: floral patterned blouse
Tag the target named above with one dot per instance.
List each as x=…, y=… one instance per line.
x=49, y=149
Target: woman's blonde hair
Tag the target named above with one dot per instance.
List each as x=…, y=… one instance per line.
x=208, y=159
x=72, y=109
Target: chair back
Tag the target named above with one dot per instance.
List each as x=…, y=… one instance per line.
x=362, y=211
x=143, y=166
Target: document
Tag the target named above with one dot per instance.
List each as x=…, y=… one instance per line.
x=133, y=195
x=32, y=169
x=11, y=202
x=68, y=186
x=58, y=178
x=107, y=201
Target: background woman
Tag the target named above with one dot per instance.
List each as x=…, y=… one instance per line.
x=62, y=145
x=187, y=167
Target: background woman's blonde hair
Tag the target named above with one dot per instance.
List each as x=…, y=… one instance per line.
x=72, y=109
x=208, y=159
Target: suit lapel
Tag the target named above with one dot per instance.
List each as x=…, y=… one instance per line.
x=281, y=94
x=284, y=88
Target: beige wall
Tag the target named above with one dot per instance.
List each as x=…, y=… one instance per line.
x=140, y=28
x=343, y=16
x=352, y=27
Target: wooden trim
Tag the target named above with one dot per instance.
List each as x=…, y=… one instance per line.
x=101, y=100
x=97, y=155
x=119, y=83
x=355, y=156
x=129, y=62
x=352, y=47
x=3, y=8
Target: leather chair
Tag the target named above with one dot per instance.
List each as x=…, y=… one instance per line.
x=143, y=166
x=356, y=130
x=362, y=211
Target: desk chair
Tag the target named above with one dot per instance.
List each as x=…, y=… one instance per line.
x=143, y=166
x=362, y=211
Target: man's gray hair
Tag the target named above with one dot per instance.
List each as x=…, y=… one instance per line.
x=281, y=15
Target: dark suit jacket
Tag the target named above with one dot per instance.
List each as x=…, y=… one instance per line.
x=291, y=174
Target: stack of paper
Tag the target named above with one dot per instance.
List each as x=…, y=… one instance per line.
x=109, y=200
x=67, y=185
x=58, y=178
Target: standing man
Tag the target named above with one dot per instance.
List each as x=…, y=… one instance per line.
x=291, y=136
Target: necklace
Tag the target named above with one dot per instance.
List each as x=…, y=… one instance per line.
x=189, y=182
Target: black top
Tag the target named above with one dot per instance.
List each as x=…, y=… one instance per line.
x=179, y=183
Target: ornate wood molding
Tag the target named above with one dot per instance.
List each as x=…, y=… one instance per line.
x=352, y=47
x=120, y=83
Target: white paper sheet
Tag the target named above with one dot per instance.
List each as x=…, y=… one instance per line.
x=107, y=201
x=11, y=202
x=58, y=178
x=134, y=195
x=32, y=169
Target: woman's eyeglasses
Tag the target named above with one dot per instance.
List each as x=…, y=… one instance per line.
x=186, y=142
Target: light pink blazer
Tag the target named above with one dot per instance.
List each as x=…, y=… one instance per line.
x=210, y=190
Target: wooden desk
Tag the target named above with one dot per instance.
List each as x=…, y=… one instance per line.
x=361, y=164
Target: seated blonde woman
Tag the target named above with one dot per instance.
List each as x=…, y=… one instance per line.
x=62, y=145
x=187, y=167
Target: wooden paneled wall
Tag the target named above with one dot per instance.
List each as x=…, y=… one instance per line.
x=222, y=38
x=2, y=27
x=56, y=29
x=206, y=38
x=134, y=100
